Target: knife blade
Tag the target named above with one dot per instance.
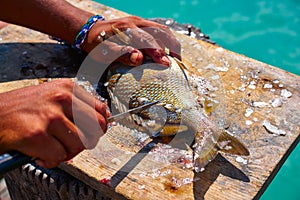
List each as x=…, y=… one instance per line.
x=131, y=111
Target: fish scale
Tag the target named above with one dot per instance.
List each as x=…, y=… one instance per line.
x=170, y=86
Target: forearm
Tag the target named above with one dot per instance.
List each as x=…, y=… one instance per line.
x=54, y=17
x=60, y=19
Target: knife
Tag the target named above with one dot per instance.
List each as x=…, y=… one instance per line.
x=131, y=111
x=14, y=159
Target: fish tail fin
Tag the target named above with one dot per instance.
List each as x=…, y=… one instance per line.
x=205, y=152
x=231, y=145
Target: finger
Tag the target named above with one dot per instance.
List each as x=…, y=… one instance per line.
x=3, y=24
x=91, y=123
x=88, y=106
x=166, y=40
x=140, y=22
x=109, y=51
x=91, y=100
x=68, y=135
x=163, y=35
x=143, y=40
x=46, y=148
x=131, y=57
x=82, y=110
x=65, y=97
x=46, y=164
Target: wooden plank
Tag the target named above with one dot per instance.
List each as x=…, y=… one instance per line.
x=246, y=85
x=3, y=190
x=247, y=99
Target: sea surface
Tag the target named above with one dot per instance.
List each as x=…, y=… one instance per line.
x=268, y=31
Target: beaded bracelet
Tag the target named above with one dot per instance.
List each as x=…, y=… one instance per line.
x=85, y=29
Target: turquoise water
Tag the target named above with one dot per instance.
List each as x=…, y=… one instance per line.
x=264, y=30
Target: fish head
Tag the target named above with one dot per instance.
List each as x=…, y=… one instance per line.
x=149, y=83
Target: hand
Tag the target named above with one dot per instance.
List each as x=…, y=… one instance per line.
x=38, y=121
x=143, y=37
x=146, y=37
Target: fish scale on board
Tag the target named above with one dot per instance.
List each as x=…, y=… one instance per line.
x=232, y=178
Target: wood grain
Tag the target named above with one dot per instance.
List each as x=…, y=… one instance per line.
x=131, y=171
x=227, y=177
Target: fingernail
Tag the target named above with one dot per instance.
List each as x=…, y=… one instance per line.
x=166, y=60
x=134, y=57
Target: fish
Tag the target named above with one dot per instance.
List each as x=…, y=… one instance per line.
x=178, y=110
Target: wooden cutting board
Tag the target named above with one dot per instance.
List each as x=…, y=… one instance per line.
x=258, y=100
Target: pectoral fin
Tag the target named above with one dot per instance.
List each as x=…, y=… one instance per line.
x=204, y=152
x=169, y=130
x=200, y=161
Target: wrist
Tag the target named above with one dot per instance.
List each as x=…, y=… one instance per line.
x=92, y=40
x=85, y=38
